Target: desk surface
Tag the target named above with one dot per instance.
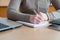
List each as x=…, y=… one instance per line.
x=27, y=33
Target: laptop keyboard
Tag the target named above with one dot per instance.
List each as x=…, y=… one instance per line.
x=3, y=26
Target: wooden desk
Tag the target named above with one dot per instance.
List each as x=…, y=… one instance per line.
x=27, y=33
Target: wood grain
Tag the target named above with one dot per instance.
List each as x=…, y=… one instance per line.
x=3, y=11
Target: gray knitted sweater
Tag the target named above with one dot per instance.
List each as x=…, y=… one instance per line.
x=20, y=10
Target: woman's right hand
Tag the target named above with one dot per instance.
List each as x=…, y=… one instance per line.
x=36, y=19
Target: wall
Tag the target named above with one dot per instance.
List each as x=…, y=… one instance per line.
x=4, y=2
x=3, y=7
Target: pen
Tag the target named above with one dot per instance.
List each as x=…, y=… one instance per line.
x=36, y=15
x=35, y=11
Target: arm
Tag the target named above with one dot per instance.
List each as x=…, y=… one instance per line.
x=13, y=12
x=56, y=4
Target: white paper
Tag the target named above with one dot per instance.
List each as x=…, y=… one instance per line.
x=42, y=24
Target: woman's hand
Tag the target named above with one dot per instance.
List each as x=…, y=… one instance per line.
x=36, y=19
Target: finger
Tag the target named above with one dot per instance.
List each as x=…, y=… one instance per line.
x=40, y=13
x=32, y=21
x=36, y=18
x=40, y=17
x=44, y=16
x=36, y=22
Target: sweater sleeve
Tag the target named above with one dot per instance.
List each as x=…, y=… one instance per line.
x=13, y=12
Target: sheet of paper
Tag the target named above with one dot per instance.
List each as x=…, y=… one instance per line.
x=42, y=24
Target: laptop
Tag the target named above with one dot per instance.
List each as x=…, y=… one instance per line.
x=56, y=22
x=6, y=24
x=57, y=17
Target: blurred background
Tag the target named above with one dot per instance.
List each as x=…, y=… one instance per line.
x=3, y=7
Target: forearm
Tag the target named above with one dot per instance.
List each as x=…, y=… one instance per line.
x=13, y=15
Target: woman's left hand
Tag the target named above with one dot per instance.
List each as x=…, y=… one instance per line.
x=44, y=16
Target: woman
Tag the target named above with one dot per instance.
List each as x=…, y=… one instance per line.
x=25, y=10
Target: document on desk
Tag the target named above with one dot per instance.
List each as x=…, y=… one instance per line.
x=42, y=24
